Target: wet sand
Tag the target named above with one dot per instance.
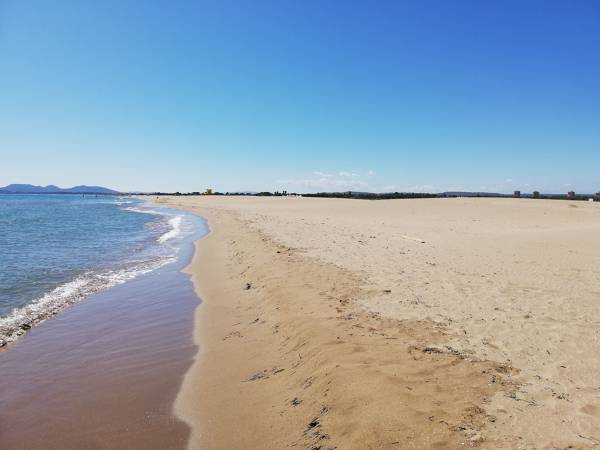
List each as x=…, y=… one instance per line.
x=438, y=323
x=104, y=373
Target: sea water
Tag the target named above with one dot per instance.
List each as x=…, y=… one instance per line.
x=56, y=250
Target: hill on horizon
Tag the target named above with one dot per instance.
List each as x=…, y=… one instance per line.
x=52, y=189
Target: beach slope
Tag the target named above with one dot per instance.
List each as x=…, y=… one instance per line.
x=448, y=323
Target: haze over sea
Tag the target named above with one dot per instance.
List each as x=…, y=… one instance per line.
x=58, y=249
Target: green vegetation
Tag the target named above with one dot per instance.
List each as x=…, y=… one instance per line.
x=370, y=195
x=380, y=196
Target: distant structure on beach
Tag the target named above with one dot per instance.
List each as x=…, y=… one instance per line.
x=597, y=197
x=571, y=195
x=517, y=194
x=536, y=194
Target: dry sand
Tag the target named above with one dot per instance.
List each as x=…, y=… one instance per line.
x=449, y=323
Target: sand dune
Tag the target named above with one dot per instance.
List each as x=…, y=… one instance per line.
x=395, y=324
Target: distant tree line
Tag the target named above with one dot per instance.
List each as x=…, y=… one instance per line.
x=376, y=196
x=196, y=193
x=170, y=193
x=370, y=195
x=580, y=197
x=274, y=194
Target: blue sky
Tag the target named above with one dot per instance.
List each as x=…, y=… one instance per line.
x=303, y=95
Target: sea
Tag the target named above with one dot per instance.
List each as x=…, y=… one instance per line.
x=58, y=250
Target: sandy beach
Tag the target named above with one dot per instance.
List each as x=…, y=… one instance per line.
x=448, y=323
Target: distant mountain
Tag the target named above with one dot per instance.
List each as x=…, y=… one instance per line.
x=90, y=190
x=51, y=189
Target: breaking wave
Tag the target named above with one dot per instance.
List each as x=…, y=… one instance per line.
x=22, y=319
x=156, y=255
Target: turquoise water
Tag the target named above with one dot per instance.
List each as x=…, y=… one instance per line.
x=55, y=250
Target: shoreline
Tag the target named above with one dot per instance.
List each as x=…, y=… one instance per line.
x=84, y=283
x=104, y=373
x=320, y=324
x=288, y=357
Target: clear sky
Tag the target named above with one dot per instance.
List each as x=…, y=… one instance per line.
x=304, y=95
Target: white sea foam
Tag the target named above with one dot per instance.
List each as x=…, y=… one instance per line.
x=174, y=222
x=175, y=230
x=21, y=319
x=144, y=211
x=51, y=303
